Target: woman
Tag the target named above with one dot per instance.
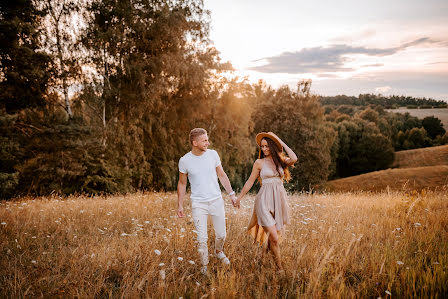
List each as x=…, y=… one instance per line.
x=271, y=208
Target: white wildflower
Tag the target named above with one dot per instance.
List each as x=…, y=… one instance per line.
x=161, y=264
x=34, y=262
x=417, y=224
x=191, y=262
x=180, y=258
x=157, y=252
x=400, y=263
x=3, y=223
x=388, y=293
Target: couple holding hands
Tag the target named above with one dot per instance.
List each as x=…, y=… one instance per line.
x=203, y=168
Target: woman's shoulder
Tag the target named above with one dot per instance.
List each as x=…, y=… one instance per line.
x=259, y=162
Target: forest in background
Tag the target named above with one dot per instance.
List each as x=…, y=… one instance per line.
x=99, y=97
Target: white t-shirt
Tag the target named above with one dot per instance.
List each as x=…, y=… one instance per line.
x=202, y=175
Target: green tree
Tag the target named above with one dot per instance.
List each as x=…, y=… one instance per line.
x=24, y=70
x=433, y=126
x=156, y=71
x=61, y=29
x=362, y=148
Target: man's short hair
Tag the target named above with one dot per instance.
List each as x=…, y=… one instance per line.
x=195, y=133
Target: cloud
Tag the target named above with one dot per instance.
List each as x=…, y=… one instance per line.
x=325, y=59
x=373, y=65
x=383, y=89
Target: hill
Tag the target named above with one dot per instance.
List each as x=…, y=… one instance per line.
x=416, y=178
x=429, y=156
x=412, y=170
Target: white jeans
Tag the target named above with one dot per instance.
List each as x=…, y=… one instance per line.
x=200, y=212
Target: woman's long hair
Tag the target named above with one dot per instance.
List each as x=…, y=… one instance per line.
x=278, y=157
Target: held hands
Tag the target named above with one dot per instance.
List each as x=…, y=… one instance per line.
x=235, y=201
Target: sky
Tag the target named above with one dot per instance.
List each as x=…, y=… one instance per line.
x=388, y=47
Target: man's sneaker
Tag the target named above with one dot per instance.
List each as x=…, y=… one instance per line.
x=223, y=258
x=204, y=270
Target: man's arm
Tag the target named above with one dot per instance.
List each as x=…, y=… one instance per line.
x=225, y=181
x=181, y=190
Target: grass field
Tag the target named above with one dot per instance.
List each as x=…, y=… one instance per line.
x=416, y=178
x=429, y=156
x=440, y=113
x=338, y=245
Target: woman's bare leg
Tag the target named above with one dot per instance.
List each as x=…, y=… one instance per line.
x=273, y=244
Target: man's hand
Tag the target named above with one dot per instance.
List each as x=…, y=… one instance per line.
x=180, y=213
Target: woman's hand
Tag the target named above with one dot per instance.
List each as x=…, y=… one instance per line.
x=236, y=203
x=279, y=139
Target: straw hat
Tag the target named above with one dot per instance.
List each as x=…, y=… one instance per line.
x=269, y=135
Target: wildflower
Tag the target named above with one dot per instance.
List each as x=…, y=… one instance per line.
x=124, y=234
x=162, y=274
x=191, y=262
x=180, y=258
x=161, y=264
x=157, y=252
x=417, y=224
x=388, y=293
x=3, y=223
x=400, y=263
x=33, y=262
x=197, y=283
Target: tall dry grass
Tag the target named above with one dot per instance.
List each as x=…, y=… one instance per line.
x=338, y=245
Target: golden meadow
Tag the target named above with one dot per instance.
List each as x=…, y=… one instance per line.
x=338, y=245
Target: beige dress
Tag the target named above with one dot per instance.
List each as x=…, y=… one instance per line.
x=271, y=206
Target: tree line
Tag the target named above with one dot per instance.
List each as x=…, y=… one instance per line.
x=99, y=96
x=387, y=102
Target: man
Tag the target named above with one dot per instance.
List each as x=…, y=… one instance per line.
x=203, y=167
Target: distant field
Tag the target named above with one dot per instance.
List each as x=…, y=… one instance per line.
x=440, y=113
x=430, y=156
x=359, y=245
x=417, y=178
